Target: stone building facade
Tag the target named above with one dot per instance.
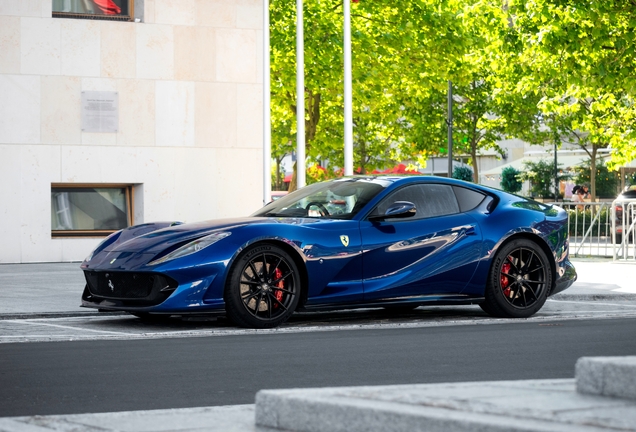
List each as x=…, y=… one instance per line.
x=185, y=138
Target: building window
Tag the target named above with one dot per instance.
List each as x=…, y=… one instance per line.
x=120, y=10
x=90, y=210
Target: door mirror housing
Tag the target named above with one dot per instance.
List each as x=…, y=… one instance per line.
x=397, y=210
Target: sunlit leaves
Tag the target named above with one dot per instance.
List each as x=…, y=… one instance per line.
x=545, y=71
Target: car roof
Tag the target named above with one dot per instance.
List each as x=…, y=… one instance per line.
x=630, y=193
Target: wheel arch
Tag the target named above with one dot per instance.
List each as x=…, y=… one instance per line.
x=293, y=252
x=540, y=242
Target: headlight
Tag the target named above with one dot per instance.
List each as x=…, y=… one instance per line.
x=102, y=244
x=192, y=247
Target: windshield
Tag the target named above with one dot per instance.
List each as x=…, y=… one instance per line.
x=336, y=199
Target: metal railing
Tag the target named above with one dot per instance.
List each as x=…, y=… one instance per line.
x=623, y=223
x=595, y=230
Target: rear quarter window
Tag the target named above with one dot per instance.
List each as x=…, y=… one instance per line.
x=468, y=199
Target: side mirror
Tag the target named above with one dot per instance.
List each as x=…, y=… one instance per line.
x=397, y=210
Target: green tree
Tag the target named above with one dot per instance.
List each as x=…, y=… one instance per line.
x=510, y=180
x=546, y=71
x=485, y=110
x=578, y=56
x=394, y=49
x=540, y=174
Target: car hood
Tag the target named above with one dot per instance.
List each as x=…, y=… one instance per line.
x=162, y=238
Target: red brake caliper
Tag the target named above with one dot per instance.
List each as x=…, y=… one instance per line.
x=278, y=294
x=505, y=269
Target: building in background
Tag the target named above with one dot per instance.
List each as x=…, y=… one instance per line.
x=120, y=112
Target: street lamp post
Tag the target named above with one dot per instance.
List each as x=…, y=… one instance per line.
x=450, y=129
x=300, y=97
x=267, y=125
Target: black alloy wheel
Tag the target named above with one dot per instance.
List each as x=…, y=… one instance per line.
x=519, y=281
x=263, y=287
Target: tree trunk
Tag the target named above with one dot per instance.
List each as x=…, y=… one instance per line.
x=293, y=184
x=277, y=182
x=473, y=156
x=593, y=173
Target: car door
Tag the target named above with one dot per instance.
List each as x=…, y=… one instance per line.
x=434, y=252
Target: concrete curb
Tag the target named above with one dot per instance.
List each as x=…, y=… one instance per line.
x=607, y=376
x=517, y=406
x=333, y=414
x=594, y=297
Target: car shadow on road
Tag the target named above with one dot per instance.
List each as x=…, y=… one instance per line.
x=350, y=317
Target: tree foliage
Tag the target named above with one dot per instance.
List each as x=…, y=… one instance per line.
x=578, y=57
x=546, y=71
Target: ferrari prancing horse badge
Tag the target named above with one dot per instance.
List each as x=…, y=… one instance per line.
x=345, y=240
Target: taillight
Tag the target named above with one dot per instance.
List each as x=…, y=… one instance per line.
x=619, y=211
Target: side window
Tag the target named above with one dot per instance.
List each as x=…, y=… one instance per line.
x=90, y=210
x=468, y=199
x=430, y=200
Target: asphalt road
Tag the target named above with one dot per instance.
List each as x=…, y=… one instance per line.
x=42, y=378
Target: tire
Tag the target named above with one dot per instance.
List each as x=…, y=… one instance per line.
x=519, y=281
x=263, y=287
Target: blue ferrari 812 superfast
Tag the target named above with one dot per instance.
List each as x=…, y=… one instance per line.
x=396, y=242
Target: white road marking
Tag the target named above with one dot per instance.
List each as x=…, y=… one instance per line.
x=592, y=303
x=111, y=335
x=34, y=322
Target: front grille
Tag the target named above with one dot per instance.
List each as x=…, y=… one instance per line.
x=151, y=287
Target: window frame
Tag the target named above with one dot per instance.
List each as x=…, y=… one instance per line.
x=76, y=15
x=129, y=192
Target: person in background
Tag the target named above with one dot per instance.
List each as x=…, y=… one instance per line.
x=578, y=195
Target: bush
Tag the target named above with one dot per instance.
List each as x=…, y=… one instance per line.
x=509, y=180
x=463, y=173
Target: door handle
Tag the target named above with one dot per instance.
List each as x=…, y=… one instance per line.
x=470, y=230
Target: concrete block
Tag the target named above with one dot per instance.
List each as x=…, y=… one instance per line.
x=337, y=410
x=607, y=376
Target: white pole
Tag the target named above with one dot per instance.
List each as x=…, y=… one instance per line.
x=348, y=117
x=300, y=96
x=267, y=123
x=450, y=129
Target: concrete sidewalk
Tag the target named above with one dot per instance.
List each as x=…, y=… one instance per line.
x=605, y=400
